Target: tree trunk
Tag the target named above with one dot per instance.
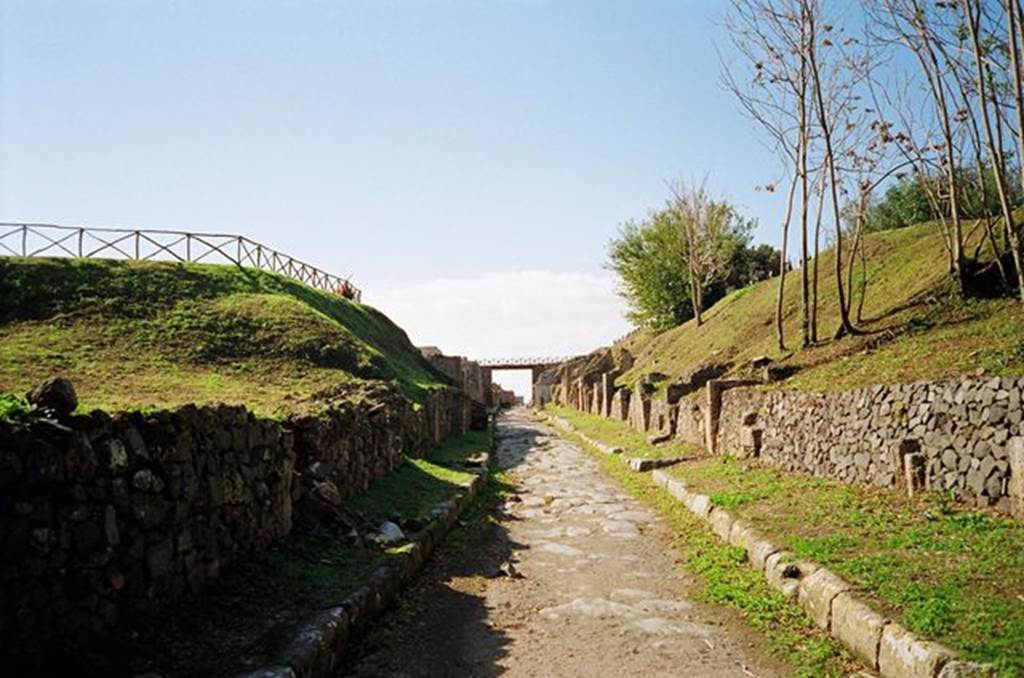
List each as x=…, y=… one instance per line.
x=845, y=326
x=1016, y=34
x=780, y=296
x=817, y=256
x=804, y=138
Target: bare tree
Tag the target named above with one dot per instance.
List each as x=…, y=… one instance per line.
x=706, y=234
x=771, y=84
x=915, y=26
x=986, y=95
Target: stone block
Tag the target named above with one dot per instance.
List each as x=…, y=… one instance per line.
x=1016, y=484
x=962, y=669
x=738, y=533
x=858, y=627
x=775, y=568
x=904, y=655
x=816, y=593
x=759, y=549
x=699, y=504
x=721, y=522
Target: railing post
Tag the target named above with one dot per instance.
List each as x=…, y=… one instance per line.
x=81, y=236
x=188, y=247
x=259, y=253
x=239, y=262
x=137, y=237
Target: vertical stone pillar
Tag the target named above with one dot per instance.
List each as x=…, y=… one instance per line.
x=714, y=406
x=1016, y=489
x=607, y=389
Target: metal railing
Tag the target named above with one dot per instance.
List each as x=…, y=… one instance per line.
x=51, y=240
x=512, y=363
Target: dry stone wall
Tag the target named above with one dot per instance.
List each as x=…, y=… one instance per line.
x=958, y=436
x=104, y=515
x=962, y=430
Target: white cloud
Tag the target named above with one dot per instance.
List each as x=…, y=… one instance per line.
x=516, y=314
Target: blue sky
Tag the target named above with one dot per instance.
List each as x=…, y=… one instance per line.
x=419, y=146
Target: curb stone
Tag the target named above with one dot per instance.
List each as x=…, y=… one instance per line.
x=643, y=465
x=883, y=645
x=816, y=593
x=318, y=644
x=858, y=627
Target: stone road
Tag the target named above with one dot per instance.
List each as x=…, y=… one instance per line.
x=577, y=579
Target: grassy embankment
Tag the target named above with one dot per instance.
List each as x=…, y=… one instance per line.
x=138, y=335
x=248, y=612
x=914, y=326
x=952, y=575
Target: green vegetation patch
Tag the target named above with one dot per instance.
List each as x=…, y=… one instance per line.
x=136, y=335
x=615, y=433
x=915, y=327
x=954, y=576
x=250, y=612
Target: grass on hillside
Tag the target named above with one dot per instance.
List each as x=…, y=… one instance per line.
x=633, y=443
x=250, y=611
x=133, y=335
x=915, y=327
x=726, y=579
x=952, y=575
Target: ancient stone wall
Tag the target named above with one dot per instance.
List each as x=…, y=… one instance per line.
x=963, y=431
x=962, y=428
x=105, y=515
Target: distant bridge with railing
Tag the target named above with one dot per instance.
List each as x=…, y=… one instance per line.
x=522, y=363
x=87, y=242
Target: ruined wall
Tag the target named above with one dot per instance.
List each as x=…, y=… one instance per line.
x=101, y=516
x=962, y=428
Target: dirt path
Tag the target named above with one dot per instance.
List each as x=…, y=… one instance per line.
x=599, y=592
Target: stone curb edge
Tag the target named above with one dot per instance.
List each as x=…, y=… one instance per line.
x=833, y=604
x=321, y=642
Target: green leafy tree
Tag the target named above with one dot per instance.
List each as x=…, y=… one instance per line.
x=647, y=257
x=650, y=259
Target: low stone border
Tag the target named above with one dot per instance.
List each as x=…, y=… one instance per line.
x=833, y=604
x=643, y=465
x=321, y=642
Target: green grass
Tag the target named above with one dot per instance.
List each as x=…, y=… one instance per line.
x=148, y=334
x=612, y=432
x=725, y=578
x=915, y=327
x=12, y=406
x=250, y=611
x=954, y=576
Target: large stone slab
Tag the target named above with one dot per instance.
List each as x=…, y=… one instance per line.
x=962, y=669
x=721, y=522
x=901, y=654
x=759, y=548
x=816, y=593
x=700, y=504
x=1016, y=482
x=858, y=627
x=775, y=572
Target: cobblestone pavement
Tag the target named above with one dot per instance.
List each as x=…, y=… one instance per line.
x=576, y=579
